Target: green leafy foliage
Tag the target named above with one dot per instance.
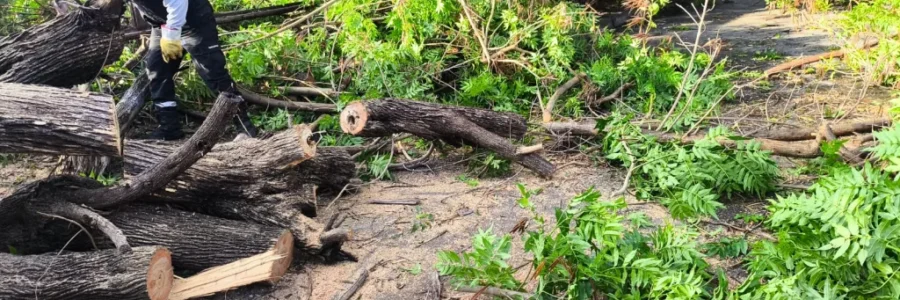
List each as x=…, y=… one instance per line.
x=727, y=247
x=422, y=221
x=486, y=265
x=690, y=179
x=750, y=218
x=839, y=238
x=587, y=252
x=888, y=148
x=880, y=18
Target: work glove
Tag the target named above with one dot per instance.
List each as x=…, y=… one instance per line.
x=170, y=44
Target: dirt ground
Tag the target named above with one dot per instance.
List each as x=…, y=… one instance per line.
x=383, y=235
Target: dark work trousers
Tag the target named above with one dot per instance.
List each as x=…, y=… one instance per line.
x=202, y=42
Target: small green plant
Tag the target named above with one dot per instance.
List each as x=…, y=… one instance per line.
x=639, y=220
x=486, y=265
x=422, y=221
x=768, y=54
x=752, y=74
x=467, y=180
x=727, y=247
x=415, y=269
x=377, y=167
x=489, y=165
x=13, y=250
x=750, y=218
x=106, y=180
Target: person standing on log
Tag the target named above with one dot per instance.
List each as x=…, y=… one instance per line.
x=184, y=25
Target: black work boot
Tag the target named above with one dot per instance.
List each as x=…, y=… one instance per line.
x=242, y=122
x=169, y=124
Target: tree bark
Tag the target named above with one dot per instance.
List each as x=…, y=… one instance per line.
x=145, y=273
x=69, y=50
x=484, y=128
x=331, y=169
x=261, y=100
x=160, y=174
x=247, y=172
x=55, y=121
x=132, y=102
x=197, y=241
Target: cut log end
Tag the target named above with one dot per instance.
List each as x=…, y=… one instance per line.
x=160, y=275
x=284, y=247
x=305, y=138
x=354, y=118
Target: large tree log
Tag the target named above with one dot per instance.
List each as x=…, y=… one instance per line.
x=145, y=273
x=160, y=174
x=66, y=51
x=199, y=241
x=331, y=169
x=48, y=120
x=246, y=174
x=484, y=128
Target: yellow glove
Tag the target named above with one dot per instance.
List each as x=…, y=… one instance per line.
x=171, y=49
x=170, y=44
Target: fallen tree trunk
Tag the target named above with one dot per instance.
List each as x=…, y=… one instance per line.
x=484, y=128
x=839, y=129
x=197, y=241
x=388, y=116
x=44, y=54
x=145, y=273
x=48, y=120
x=238, y=177
x=24, y=213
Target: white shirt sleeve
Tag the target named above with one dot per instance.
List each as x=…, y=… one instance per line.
x=177, y=10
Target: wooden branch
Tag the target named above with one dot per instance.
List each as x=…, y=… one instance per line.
x=144, y=273
x=359, y=278
x=486, y=56
x=529, y=149
x=138, y=56
x=839, y=130
x=395, y=202
x=582, y=129
x=177, y=162
x=547, y=111
x=335, y=236
x=93, y=220
x=311, y=91
x=132, y=102
x=850, y=155
x=451, y=124
x=787, y=66
x=617, y=94
x=293, y=24
x=56, y=121
x=258, y=99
